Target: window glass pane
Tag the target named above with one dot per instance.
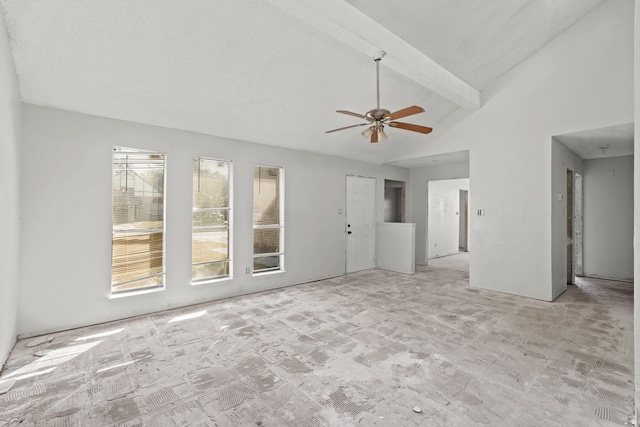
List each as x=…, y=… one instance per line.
x=266, y=196
x=271, y=262
x=210, y=245
x=211, y=218
x=137, y=219
x=266, y=240
x=268, y=229
x=206, y=271
x=138, y=190
x=210, y=183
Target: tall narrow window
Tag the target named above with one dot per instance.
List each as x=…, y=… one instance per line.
x=137, y=245
x=210, y=251
x=268, y=219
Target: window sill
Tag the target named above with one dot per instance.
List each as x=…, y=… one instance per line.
x=121, y=295
x=212, y=281
x=268, y=273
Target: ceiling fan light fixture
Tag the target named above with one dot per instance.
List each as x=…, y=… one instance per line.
x=368, y=132
x=381, y=135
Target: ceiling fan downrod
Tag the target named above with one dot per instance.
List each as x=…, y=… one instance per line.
x=377, y=115
x=377, y=57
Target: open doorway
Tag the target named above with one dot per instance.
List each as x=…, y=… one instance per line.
x=448, y=223
x=592, y=206
x=394, y=201
x=463, y=227
x=570, y=257
x=574, y=226
x=577, y=225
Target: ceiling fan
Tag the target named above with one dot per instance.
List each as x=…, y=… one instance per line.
x=379, y=117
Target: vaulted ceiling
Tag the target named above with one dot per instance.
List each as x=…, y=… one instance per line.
x=274, y=71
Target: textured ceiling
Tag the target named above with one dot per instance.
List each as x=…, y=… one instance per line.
x=612, y=141
x=477, y=40
x=256, y=71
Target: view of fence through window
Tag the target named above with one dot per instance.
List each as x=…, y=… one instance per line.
x=211, y=212
x=268, y=224
x=137, y=253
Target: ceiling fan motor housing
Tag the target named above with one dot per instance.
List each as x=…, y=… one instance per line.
x=377, y=114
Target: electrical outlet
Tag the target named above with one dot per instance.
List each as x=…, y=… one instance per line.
x=247, y=270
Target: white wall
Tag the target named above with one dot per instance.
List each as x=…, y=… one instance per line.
x=443, y=216
x=636, y=204
x=583, y=79
x=10, y=129
x=608, y=218
x=67, y=216
x=395, y=247
x=417, y=199
x=561, y=160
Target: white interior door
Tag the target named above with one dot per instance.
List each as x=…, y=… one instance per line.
x=361, y=223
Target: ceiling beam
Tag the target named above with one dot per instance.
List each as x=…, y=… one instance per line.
x=344, y=22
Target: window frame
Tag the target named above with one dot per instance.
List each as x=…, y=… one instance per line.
x=228, y=227
x=117, y=293
x=280, y=226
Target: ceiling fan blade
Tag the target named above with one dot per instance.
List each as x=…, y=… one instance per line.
x=347, y=127
x=409, y=126
x=409, y=111
x=374, y=136
x=349, y=113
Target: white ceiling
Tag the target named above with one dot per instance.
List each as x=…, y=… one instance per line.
x=274, y=71
x=435, y=160
x=612, y=141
